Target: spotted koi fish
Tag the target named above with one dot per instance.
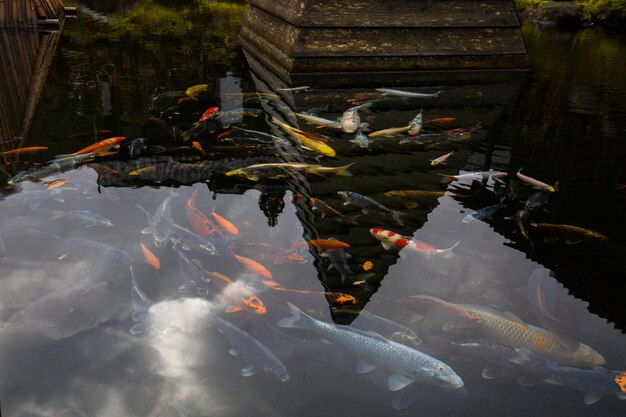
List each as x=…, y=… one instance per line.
x=505, y=327
x=389, y=239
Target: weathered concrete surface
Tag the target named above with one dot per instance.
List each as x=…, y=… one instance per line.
x=370, y=35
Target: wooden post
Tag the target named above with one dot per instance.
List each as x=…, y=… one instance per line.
x=299, y=36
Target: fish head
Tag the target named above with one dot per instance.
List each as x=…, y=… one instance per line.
x=587, y=356
x=160, y=234
x=255, y=305
x=278, y=372
x=235, y=172
x=387, y=237
x=344, y=194
x=442, y=375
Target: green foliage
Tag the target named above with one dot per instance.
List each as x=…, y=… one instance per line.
x=609, y=11
x=600, y=11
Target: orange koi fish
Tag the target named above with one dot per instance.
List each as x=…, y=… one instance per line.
x=367, y=265
x=201, y=224
x=225, y=224
x=253, y=266
x=197, y=146
x=150, y=257
x=238, y=295
x=19, y=151
x=334, y=297
x=56, y=183
x=327, y=244
x=441, y=120
x=98, y=147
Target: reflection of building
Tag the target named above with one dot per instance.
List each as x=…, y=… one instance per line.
x=31, y=13
x=25, y=58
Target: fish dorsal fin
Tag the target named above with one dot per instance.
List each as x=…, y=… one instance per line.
x=490, y=373
x=511, y=316
x=395, y=382
x=363, y=367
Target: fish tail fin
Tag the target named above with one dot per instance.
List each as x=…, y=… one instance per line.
x=343, y=170
x=447, y=253
x=297, y=320
x=527, y=357
x=556, y=186
x=437, y=93
x=446, y=179
x=396, y=216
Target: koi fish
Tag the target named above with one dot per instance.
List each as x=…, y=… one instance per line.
x=595, y=383
x=537, y=200
x=415, y=125
x=402, y=93
x=361, y=140
x=327, y=244
x=97, y=148
x=366, y=204
x=267, y=252
x=505, y=327
x=571, y=234
x=225, y=224
x=194, y=91
x=56, y=183
x=407, y=365
x=484, y=175
x=521, y=218
x=335, y=298
x=150, y=257
x=20, y=151
x=279, y=170
x=484, y=213
x=256, y=355
x=200, y=224
x=413, y=198
x=319, y=121
x=210, y=112
x=236, y=295
x=191, y=273
x=441, y=160
x=536, y=183
x=392, y=131
x=314, y=145
x=291, y=129
x=350, y=120
x=253, y=266
x=389, y=239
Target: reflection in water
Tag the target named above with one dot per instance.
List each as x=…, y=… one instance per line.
x=214, y=259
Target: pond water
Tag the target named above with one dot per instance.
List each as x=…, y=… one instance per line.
x=127, y=282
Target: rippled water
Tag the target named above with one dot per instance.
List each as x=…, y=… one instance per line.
x=79, y=338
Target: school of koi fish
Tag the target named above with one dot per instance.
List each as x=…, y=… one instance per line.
x=235, y=273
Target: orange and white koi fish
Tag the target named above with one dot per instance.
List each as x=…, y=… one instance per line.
x=237, y=295
x=150, y=257
x=210, y=112
x=389, y=239
x=98, y=147
x=442, y=159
